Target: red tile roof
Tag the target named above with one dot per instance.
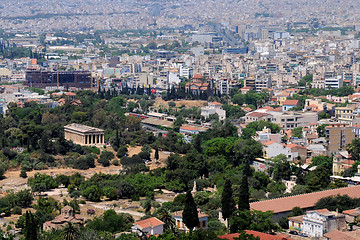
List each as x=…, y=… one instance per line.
x=291, y=102
x=278, y=109
x=269, y=143
x=303, y=201
x=292, y=145
x=262, y=236
x=257, y=114
x=337, y=235
x=198, y=76
x=352, y=212
x=216, y=103
x=153, y=222
x=189, y=128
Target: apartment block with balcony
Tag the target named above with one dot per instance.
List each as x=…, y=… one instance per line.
x=338, y=135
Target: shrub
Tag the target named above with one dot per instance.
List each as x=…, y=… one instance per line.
x=110, y=192
x=84, y=162
x=17, y=210
x=105, y=158
x=116, y=162
x=135, y=159
x=121, y=151
x=92, y=193
x=23, y=173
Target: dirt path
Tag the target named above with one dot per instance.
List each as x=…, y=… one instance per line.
x=188, y=103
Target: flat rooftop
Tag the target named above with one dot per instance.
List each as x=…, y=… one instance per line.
x=158, y=122
x=82, y=128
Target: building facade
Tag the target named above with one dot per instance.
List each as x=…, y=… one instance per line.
x=43, y=79
x=338, y=135
x=84, y=135
x=150, y=226
x=203, y=221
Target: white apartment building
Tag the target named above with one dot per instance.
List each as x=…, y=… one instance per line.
x=262, y=83
x=150, y=226
x=318, y=222
x=334, y=82
x=213, y=108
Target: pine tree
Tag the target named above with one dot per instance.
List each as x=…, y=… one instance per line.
x=190, y=214
x=227, y=201
x=244, y=194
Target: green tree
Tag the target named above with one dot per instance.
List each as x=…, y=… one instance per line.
x=354, y=149
x=338, y=202
x=297, y=211
x=111, y=222
x=42, y=182
x=92, y=193
x=244, y=195
x=105, y=158
x=297, y=132
x=321, y=130
x=23, y=173
x=190, y=214
x=70, y=232
x=253, y=220
x=227, y=201
x=157, y=153
x=281, y=169
x=31, y=226
x=169, y=222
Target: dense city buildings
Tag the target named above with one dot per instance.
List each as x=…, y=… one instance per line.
x=49, y=79
x=112, y=111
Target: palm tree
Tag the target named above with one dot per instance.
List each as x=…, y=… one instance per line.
x=167, y=218
x=70, y=232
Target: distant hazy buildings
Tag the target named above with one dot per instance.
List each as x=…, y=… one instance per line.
x=44, y=79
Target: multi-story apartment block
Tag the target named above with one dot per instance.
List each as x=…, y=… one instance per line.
x=338, y=135
x=334, y=82
x=345, y=114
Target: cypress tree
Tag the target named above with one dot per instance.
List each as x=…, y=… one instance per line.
x=244, y=194
x=157, y=154
x=227, y=201
x=31, y=226
x=190, y=214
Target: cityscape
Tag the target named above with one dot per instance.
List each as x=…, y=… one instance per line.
x=189, y=120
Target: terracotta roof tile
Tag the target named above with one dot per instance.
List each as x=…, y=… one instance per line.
x=269, y=143
x=303, y=201
x=149, y=222
x=262, y=236
x=291, y=102
x=292, y=145
x=337, y=235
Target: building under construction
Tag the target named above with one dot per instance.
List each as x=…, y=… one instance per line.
x=43, y=79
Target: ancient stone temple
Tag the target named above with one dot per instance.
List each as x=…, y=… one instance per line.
x=84, y=135
x=67, y=215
